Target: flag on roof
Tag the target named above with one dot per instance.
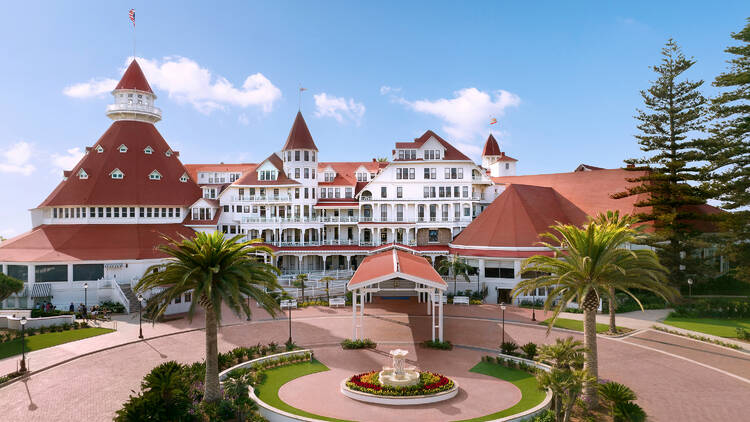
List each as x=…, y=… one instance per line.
x=132, y=16
x=302, y=89
x=493, y=121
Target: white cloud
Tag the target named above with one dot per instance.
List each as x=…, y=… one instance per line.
x=92, y=88
x=385, y=89
x=186, y=81
x=466, y=115
x=66, y=161
x=339, y=108
x=16, y=159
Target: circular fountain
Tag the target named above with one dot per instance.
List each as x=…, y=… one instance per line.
x=399, y=375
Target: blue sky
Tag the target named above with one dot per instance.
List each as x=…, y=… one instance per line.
x=562, y=78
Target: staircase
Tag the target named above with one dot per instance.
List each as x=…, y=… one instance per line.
x=131, y=297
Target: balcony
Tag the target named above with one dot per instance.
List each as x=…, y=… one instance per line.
x=279, y=220
x=134, y=108
x=262, y=198
x=339, y=243
x=339, y=219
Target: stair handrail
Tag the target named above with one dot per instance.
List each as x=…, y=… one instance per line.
x=122, y=295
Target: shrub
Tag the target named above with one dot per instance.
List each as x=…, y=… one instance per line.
x=437, y=344
x=530, y=350
x=713, y=308
x=358, y=344
x=629, y=412
x=508, y=347
x=743, y=334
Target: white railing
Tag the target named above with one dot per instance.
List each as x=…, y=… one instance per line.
x=340, y=243
x=145, y=108
x=262, y=198
x=118, y=294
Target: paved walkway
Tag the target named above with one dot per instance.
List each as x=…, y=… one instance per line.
x=675, y=378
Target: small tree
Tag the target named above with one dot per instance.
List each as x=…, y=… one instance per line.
x=300, y=284
x=455, y=267
x=566, y=378
x=327, y=280
x=9, y=286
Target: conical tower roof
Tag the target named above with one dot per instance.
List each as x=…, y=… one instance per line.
x=134, y=79
x=90, y=182
x=299, y=136
x=491, y=147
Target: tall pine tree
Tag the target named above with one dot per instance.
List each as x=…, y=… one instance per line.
x=728, y=153
x=673, y=117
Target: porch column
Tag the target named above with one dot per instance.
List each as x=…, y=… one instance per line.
x=362, y=314
x=432, y=304
x=324, y=262
x=440, y=308
x=354, y=314
x=429, y=303
x=70, y=274
x=300, y=262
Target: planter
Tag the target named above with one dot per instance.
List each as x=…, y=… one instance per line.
x=396, y=400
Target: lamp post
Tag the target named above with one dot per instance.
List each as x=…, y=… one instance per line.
x=290, y=325
x=248, y=307
x=86, y=300
x=690, y=287
x=502, y=307
x=533, y=306
x=23, y=345
x=140, y=325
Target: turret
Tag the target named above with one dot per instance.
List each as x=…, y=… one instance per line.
x=300, y=153
x=496, y=161
x=134, y=99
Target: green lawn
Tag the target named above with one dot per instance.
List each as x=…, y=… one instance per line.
x=574, y=324
x=714, y=326
x=268, y=391
x=531, y=395
x=42, y=341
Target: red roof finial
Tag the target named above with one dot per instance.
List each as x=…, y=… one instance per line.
x=134, y=79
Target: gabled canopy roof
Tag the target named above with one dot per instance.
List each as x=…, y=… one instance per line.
x=134, y=79
x=451, y=153
x=491, y=147
x=135, y=188
x=90, y=242
x=518, y=216
x=299, y=136
x=395, y=264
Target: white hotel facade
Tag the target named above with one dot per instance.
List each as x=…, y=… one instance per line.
x=100, y=226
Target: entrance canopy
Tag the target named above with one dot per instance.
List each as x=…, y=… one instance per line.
x=381, y=272
x=395, y=264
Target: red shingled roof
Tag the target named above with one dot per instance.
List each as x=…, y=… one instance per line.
x=491, y=147
x=299, y=136
x=251, y=177
x=134, y=79
x=135, y=188
x=346, y=172
x=451, y=153
x=194, y=169
x=90, y=242
x=395, y=264
x=518, y=216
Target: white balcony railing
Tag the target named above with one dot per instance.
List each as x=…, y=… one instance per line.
x=140, y=108
x=262, y=198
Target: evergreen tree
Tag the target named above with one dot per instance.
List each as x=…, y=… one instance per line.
x=728, y=153
x=674, y=114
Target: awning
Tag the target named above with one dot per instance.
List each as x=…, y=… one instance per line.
x=41, y=290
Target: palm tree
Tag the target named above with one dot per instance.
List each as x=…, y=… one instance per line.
x=9, y=286
x=456, y=267
x=327, y=280
x=615, y=394
x=219, y=272
x=566, y=378
x=592, y=259
x=300, y=284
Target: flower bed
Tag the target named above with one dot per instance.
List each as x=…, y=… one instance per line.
x=429, y=383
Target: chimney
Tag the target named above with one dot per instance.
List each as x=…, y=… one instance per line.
x=630, y=165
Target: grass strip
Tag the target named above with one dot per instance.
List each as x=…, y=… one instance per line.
x=531, y=395
x=268, y=391
x=714, y=326
x=576, y=325
x=42, y=341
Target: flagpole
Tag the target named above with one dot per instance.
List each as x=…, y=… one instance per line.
x=299, y=98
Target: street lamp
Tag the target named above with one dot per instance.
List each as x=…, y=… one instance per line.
x=290, y=326
x=23, y=345
x=533, y=306
x=86, y=300
x=140, y=326
x=690, y=287
x=248, y=307
x=502, y=306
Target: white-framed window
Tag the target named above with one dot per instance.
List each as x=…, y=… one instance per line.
x=99, y=149
x=148, y=150
x=399, y=192
x=117, y=174
x=329, y=176
x=323, y=193
x=361, y=177
x=430, y=173
x=82, y=174
x=184, y=178
x=507, y=166
x=155, y=175
x=123, y=148
x=267, y=175
x=168, y=153
x=348, y=192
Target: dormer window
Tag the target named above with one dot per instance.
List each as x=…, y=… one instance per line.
x=407, y=154
x=329, y=176
x=267, y=175
x=168, y=153
x=99, y=149
x=184, y=178
x=361, y=177
x=148, y=150
x=117, y=174
x=155, y=175
x=123, y=148
x=432, y=154
x=82, y=174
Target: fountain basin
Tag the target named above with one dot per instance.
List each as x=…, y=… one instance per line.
x=389, y=377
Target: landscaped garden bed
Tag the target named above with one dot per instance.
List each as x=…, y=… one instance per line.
x=576, y=325
x=44, y=337
x=429, y=383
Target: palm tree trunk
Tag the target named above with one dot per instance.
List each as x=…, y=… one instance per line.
x=612, y=308
x=591, y=364
x=211, y=392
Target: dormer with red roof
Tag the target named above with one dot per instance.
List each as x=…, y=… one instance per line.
x=134, y=99
x=496, y=161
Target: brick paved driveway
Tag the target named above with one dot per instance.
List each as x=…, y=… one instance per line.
x=670, y=388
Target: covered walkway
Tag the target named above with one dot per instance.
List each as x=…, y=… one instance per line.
x=395, y=273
